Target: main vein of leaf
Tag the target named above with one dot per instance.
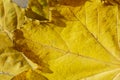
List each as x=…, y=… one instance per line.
x=115, y=78
x=63, y=40
x=73, y=53
x=98, y=35
x=107, y=71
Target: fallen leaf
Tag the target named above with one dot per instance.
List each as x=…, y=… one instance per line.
x=38, y=9
x=11, y=17
x=79, y=41
x=11, y=64
x=82, y=47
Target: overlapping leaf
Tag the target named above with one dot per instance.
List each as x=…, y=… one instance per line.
x=11, y=16
x=38, y=9
x=14, y=62
x=11, y=64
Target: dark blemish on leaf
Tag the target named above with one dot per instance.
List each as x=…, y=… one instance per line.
x=21, y=45
x=30, y=14
x=73, y=3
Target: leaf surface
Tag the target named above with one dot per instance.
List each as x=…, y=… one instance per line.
x=79, y=41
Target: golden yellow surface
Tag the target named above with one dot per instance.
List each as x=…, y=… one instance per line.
x=60, y=40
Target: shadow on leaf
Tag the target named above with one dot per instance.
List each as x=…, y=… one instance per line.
x=20, y=44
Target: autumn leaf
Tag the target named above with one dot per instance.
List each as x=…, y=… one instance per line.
x=38, y=9
x=5, y=41
x=12, y=19
x=11, y=64
x=80, y=40
x=20, y=44
x=81, y=48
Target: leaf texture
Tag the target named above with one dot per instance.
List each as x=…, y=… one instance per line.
x=29, y=75
x=11, y=64
x=10, y=17
x=68, y=40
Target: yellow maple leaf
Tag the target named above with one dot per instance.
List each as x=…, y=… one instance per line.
x=80, y=40
x=82, y=48
x=13, y=62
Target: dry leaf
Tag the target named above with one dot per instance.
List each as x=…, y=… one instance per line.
x=11, y=64
x=79, y=41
